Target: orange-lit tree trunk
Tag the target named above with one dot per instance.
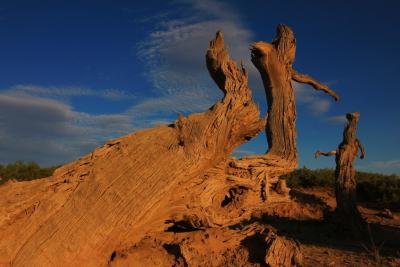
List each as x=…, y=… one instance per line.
x=345, y=182
x=274, y=62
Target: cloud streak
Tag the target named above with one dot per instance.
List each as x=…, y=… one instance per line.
x=311, y=99
x=50, y=131
x=62, y=92
x=387, y=165
x=340, y=119
x=39, y=123
x=174, y=53
x=391, y=166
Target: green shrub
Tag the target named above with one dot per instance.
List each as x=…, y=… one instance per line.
x=378, y=190
x=305, y=177
x=374, y=189
x=22, y=171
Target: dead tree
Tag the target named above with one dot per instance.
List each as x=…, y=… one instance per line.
x=274, y=62
x=345, y=182
x=134, y=184
x=155, y=178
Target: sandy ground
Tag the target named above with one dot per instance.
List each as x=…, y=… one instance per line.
x=322, y=242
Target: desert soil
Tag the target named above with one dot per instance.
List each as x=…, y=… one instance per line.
x=301, y=219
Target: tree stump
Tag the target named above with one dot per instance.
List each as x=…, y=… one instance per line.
x=345, y=182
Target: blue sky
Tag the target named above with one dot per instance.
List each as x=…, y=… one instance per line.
x=77, y=73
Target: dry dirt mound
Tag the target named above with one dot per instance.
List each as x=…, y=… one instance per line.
x=253, y=245
x=299, y=220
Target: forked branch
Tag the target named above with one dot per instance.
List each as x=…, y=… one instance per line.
x=225, y=72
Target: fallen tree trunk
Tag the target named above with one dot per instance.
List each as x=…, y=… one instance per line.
x=120, y=191
x=177, y=175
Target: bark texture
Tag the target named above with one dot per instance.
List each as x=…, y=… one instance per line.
x=345, y=182
x=131, y=185
x=178, y=175
x=274, y=62
x=282, y=252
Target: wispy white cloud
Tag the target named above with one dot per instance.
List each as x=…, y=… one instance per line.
x=185, y=102
x=174, y=53
x=389, y=164
x=60, y=92
x=164, y=109
x=49, y=131
x=39, y=123
x=340, y=119
x=313, y=100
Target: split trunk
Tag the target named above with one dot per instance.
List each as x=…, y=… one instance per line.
x=177, y=175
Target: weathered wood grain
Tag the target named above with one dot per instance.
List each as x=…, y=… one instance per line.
x=171, y=175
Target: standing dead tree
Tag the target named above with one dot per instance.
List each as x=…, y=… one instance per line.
x=274, y=62
x=345, y=182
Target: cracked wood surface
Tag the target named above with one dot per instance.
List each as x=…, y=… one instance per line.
x=169, y=175
x=119, y=192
